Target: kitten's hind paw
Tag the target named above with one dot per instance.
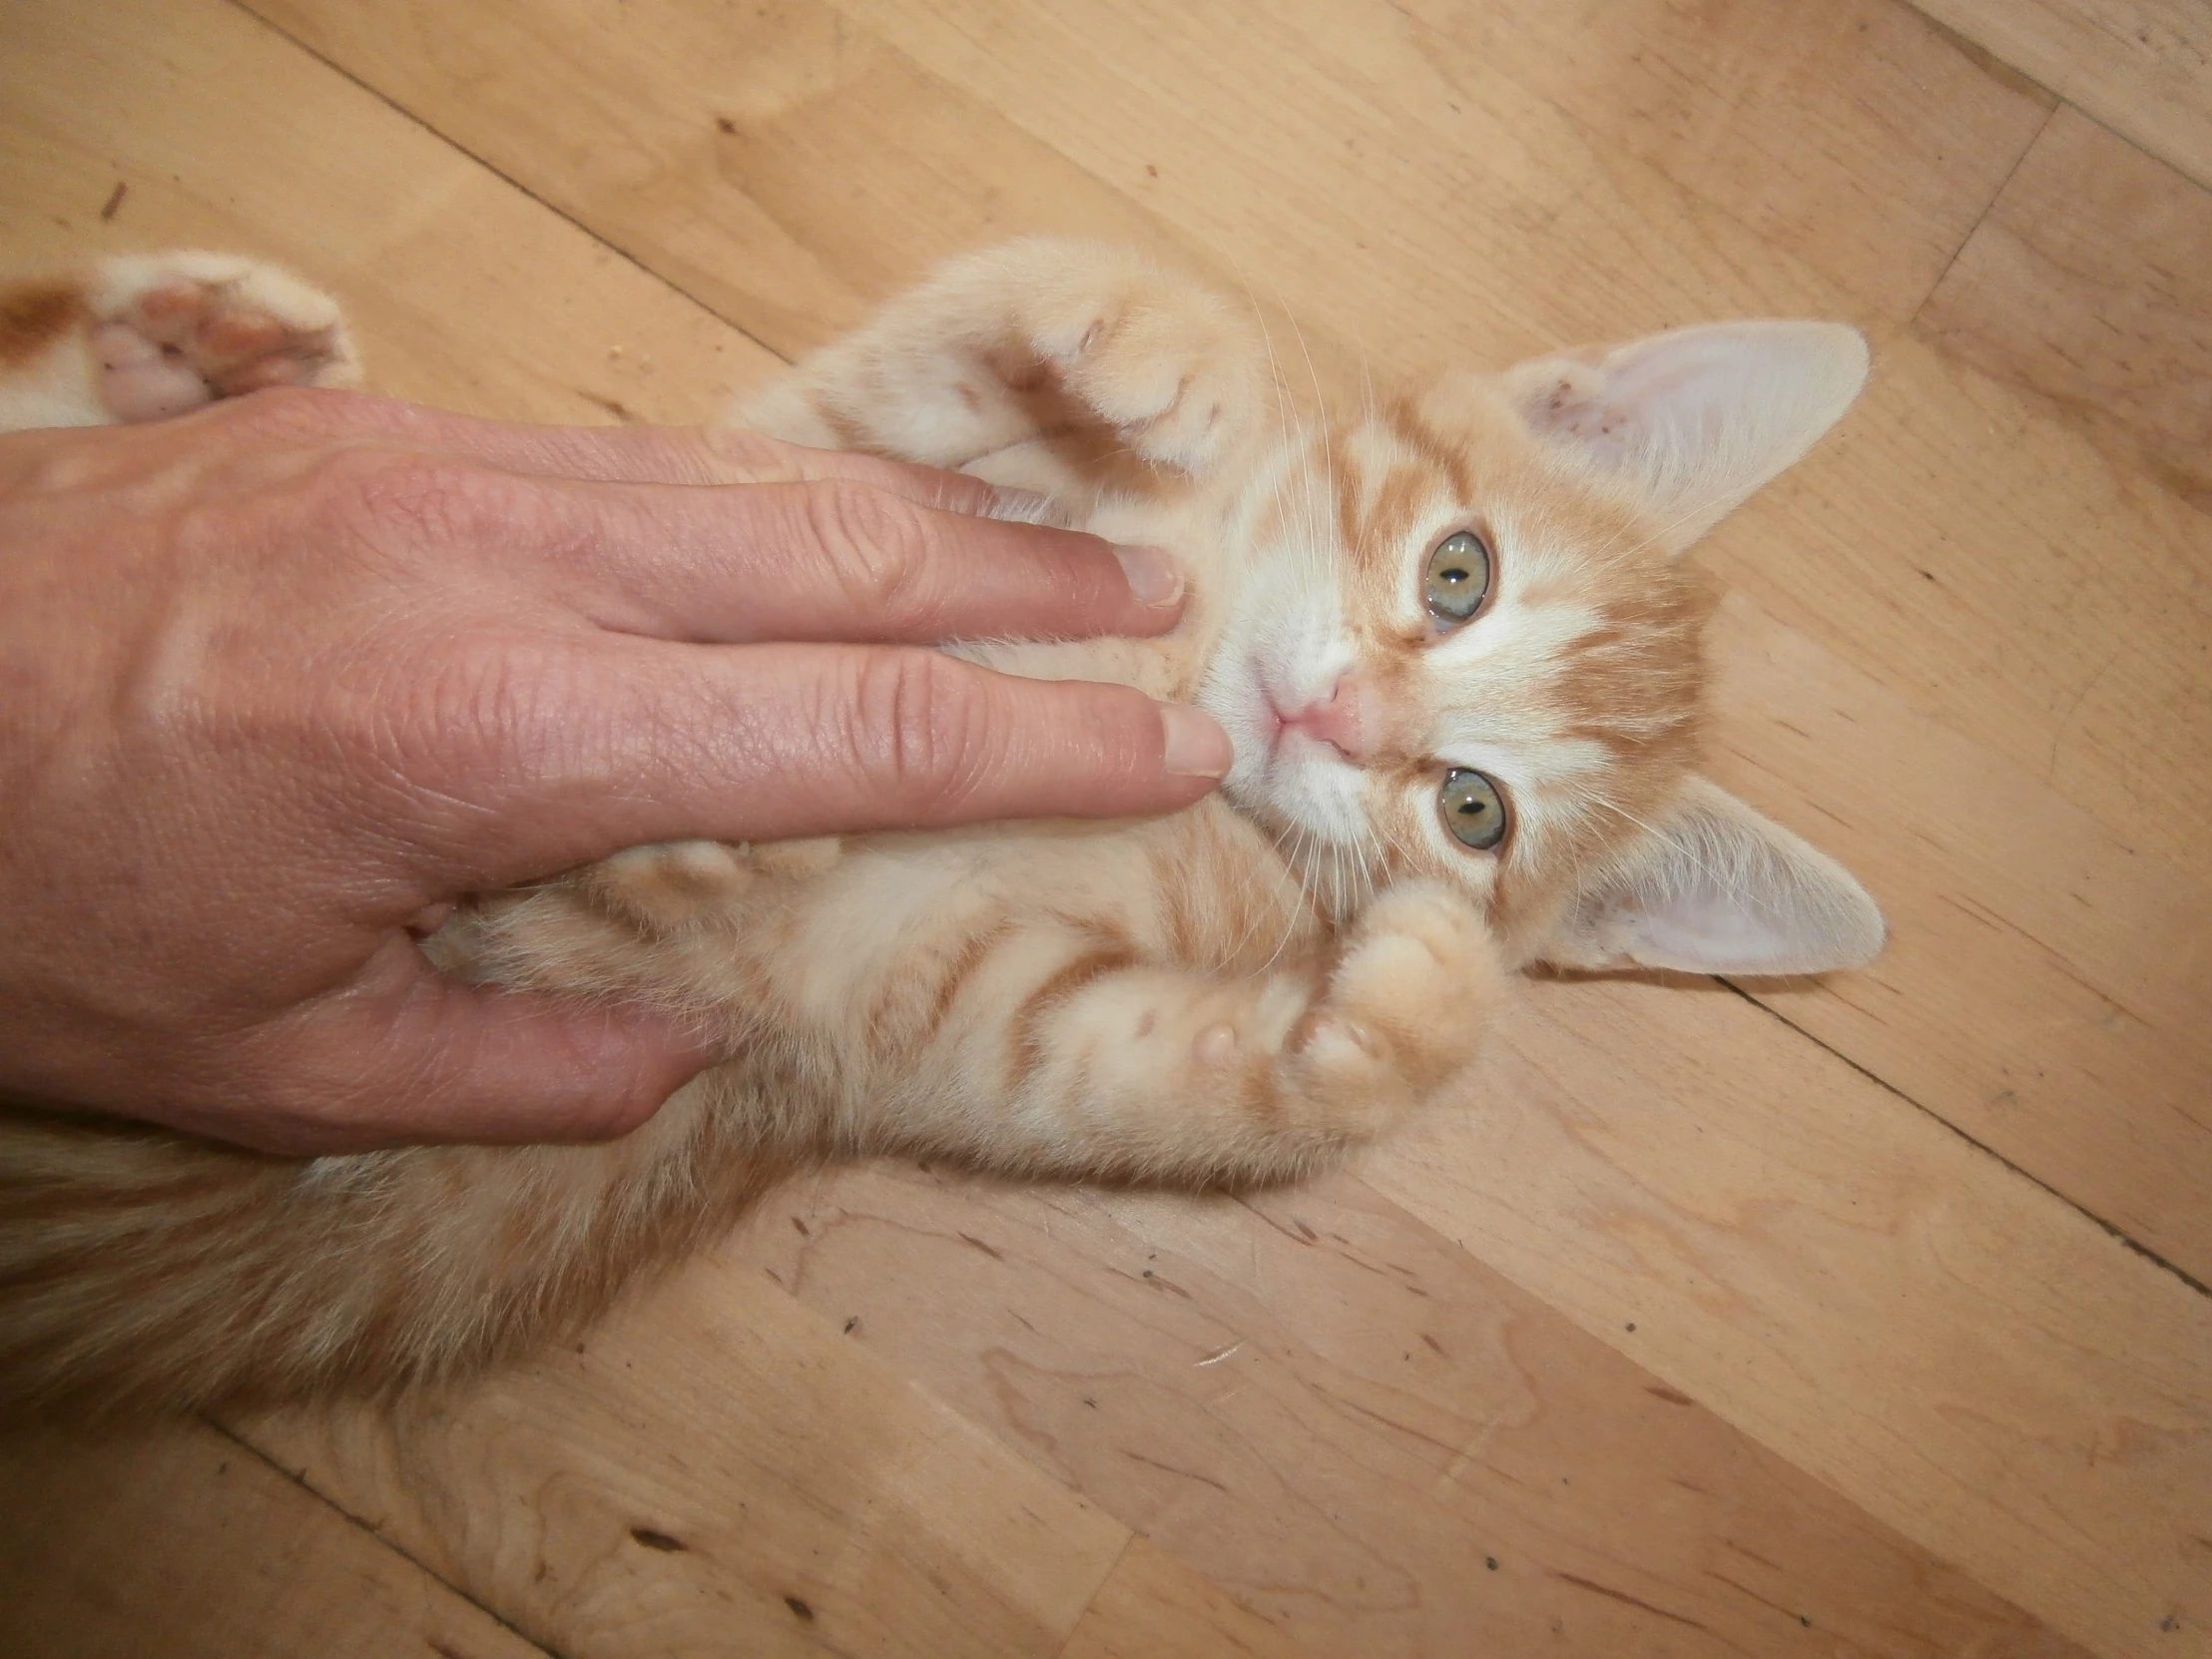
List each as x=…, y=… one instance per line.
x=172, y=331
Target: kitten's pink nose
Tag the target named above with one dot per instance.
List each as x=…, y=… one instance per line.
x=1336, y=721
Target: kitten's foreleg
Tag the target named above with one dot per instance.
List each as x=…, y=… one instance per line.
x=1113, y=1066
x=1111, y=357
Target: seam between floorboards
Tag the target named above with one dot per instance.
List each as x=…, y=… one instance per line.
x=1911, y=323
x=246, y=8
x=2133, y=1243
x=1104, y=1579
x=252, y=1451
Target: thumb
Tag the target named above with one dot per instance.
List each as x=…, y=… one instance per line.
x=408, y=1055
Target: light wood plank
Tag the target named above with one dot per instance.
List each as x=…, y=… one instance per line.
x=1813, y=1314
x=1950, y=534
x=696, y=136
x=719, y=1472
x=187, y=1545
x=443, y=265
x=1322, y=1406
x=1397, y=198
x=2045, y=987
x=1860, y=1290
x=1930, y=543
x=2142, y=67
x=2090, y=284
x=1853, y=135
x=1151, y=1608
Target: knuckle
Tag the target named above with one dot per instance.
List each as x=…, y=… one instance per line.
x=435, y=725
x=880, y=544
x=928, y=724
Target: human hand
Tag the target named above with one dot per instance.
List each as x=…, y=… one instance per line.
x=280, y=680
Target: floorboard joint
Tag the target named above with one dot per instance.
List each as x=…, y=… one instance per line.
x=1983, y=1147
x=520, y=188
x=298, y=1479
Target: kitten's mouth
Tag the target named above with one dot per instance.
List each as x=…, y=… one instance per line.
x=1272, y=718
x=1272, y=723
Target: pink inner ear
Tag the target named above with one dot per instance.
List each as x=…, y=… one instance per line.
x=1696, y=420
x=1703, y=930
x=1724, y=891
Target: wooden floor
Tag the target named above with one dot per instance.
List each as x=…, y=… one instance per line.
x=1863, y=1318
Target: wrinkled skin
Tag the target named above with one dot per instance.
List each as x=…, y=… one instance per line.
x=283, y=679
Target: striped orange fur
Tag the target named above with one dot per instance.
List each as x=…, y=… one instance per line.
x=1240, y=992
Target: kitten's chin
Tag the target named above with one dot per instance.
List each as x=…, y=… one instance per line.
x=1294, y=798
x=1274, y=778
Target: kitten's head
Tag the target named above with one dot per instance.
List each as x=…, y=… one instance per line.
x=1467, y=646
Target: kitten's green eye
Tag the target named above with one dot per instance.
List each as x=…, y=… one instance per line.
x=1474, y=810
x=1459, y=578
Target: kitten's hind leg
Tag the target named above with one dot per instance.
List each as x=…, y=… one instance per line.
x=171, y=332
x=1094, y=349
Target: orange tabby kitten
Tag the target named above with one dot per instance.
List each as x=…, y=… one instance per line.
x=1450, y=637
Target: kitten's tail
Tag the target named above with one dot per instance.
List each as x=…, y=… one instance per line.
x=141, y=1271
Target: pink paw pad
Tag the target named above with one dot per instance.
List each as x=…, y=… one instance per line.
x=1215, y=1046
x=184, y=344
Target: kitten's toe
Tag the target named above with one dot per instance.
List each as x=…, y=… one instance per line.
x=1173, y=379
x=1420, y=981
x=140, y=381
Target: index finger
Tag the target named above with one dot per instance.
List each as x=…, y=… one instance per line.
x=837, y=560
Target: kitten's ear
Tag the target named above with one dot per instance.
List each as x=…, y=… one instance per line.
x=1691, y=423
x=1720, y=889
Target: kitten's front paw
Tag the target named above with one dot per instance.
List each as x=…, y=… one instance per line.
x=1170, y=368
x=174, y=331
x=1410, y=1001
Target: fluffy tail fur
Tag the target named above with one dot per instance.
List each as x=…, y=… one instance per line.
x=141, y=1271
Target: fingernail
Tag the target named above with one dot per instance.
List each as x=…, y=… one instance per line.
x=1020, y=506
x=1154, y=575
x=1196, y=746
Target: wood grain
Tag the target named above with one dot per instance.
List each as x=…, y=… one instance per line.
x=1324, y=1406
x=2142, y=67
x=2045, y=985
x=1395, y=199
x=443, y=265
x=1844, y=1278
x=702, y=139
x=1151, y=1608
x=2089, y=283
x=718, y=1471
x=187, y=1545
x=1813, y=125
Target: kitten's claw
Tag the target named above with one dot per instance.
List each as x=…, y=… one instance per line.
x=1170, y=369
